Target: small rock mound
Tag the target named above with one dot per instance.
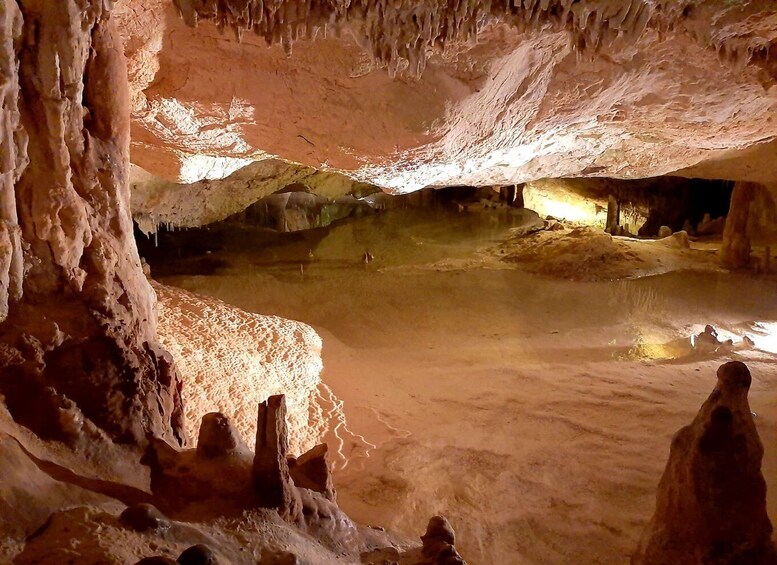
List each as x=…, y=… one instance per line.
x=711, y=501
x=144, y=518
x=438, y=542
x=218, y=437
x=197, y=555
x=312, y=471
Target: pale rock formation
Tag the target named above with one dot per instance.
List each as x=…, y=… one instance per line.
x=78, y=316
x=230, y=360
x=549, y=89
x=711, y=501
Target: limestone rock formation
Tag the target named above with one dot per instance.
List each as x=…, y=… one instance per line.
x=230, y=360
x=199, y=554
x=218, y=438
x=272, y=480
x=158, y=202
x=78, y=316
x=439, y=541
x=312, y=470
x=28, y=496
x=735, y=252
x=711, y=501
x=381, y=556
x=510, y=92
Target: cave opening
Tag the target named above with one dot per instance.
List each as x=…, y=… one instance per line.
x=293, y=282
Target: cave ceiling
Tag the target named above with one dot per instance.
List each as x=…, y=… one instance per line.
x=412, y=94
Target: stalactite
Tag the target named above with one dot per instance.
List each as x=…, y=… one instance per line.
x=403, y=34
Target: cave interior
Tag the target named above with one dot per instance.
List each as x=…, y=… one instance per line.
x=386, y=282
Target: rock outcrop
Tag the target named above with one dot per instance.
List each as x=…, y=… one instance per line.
x=711, y=501
x=218, y=438
x=78, y=316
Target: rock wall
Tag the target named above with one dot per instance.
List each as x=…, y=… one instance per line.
x=156, y=201
x=78, y=315
x=232, y=360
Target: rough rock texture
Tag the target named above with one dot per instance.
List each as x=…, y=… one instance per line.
x=272, y=480
x=28, y=496
x=711, y=501
x=78, y=315
x=144, y=517
x=230, y=360
x=197, y=555
x=312, y=470
x=56, y=506
x=592, y=88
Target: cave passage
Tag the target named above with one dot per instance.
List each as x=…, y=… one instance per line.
x=485, y=349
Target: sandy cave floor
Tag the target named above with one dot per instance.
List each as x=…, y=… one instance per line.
x=535, y=412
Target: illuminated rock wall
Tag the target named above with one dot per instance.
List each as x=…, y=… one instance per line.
x=231, y=360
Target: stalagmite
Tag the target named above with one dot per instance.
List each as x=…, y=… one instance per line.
x=79, y=316
x=711, y=502
x=218, y=437
x=735, y=251
x=613, y=215
x=272, y=480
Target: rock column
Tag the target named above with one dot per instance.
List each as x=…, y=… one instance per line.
x=78, y=316
x=735, y=251
x=272, y=479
